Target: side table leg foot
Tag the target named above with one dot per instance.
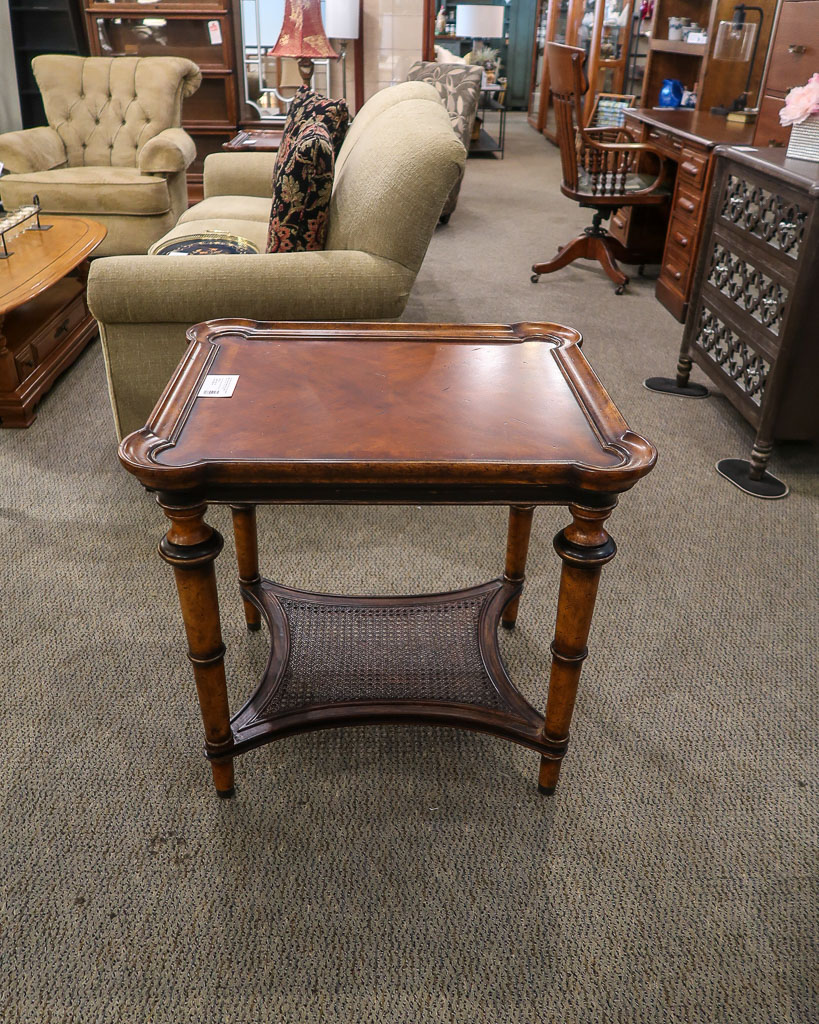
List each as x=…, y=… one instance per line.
x=547, y=778
x=247, y=556
x=190, y=547
x=584, y=547
x=517, y=548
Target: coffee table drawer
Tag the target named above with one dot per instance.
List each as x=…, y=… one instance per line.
x=58, y=328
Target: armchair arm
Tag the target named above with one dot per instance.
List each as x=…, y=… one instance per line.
x=609, y=165
x=239, y=174
x=31, y=150
x=171, y=151
x=615, y=130
x=328, y=285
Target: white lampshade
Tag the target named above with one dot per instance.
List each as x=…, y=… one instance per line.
x=479, y=21
x=341, y=19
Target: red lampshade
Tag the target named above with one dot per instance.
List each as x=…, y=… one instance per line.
x=302, y=33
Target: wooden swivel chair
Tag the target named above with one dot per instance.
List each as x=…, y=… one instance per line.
x=600, y=170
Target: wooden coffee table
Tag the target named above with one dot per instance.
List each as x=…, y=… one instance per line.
x=44, y=321
x=385, y=414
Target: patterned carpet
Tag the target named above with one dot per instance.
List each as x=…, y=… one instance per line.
x=398, y=875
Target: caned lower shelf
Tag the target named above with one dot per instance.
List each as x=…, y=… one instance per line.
x=431, y=659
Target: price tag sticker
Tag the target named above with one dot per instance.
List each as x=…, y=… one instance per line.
x=218, y=385
x=215, y=32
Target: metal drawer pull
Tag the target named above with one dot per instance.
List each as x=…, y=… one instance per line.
x=62, y=328
x=796, y=48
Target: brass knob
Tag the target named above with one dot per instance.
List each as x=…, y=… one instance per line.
x=796, y=48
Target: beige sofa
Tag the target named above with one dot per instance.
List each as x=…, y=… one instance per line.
x=394, y=172
x=113, y=148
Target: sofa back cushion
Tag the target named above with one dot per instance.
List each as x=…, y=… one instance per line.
x=106, y=108
x=302, y=186
x=393, y=177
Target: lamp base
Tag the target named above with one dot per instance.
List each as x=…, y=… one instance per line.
x=742, y=116
x=306, y=70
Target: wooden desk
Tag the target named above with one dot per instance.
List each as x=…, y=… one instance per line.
x=375, y=414
x=686, y=137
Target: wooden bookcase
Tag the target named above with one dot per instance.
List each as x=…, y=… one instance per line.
x=203, y=31
x=41, y=26
x=717, y=82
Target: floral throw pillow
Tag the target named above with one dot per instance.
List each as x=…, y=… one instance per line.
x=302, y=186
x=308, y=106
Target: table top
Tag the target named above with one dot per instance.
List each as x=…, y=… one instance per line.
x=262, y=140
x=41, y=258
x=802, y=174
x=378, y=412
x=697, y=126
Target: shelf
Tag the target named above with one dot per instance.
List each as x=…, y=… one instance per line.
x=680, y=47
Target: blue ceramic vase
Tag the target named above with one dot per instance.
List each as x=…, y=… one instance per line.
x=671, y=93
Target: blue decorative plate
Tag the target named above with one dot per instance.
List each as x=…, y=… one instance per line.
x=205, y=243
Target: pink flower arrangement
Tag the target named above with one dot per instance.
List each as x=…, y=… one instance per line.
x=801, y=102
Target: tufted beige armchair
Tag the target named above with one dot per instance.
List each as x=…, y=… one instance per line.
x=113, y=149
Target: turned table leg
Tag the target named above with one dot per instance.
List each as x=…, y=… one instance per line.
x=247, y=556
x=517, y=547
x=190, y=547
x=585, y=547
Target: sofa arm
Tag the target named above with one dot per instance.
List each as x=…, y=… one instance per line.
x=171, y=151
x=35, y=149
x=239, y=174
x=328, y=285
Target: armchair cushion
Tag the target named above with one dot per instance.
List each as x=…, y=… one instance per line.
x=170, y=151
x=36, y=149
x=302, y=187
x=89, y=190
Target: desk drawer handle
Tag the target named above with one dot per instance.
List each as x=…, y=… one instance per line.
x=690, y=168
x=677, y=275
x=797, y=49
x=63, y=328
x=686, y=204
x=680, y=239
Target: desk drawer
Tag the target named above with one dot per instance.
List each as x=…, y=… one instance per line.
x=675, y=271
x=667, y=143
x=692, y=168
x=689, y=203
x=682, y=238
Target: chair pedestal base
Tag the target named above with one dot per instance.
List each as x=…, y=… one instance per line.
x=593, y=244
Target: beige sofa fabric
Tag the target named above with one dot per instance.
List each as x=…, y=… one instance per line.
x=114, y=149
x=394, y=177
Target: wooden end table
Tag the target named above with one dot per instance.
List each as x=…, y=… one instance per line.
x=384, y=414
x=44, y=319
